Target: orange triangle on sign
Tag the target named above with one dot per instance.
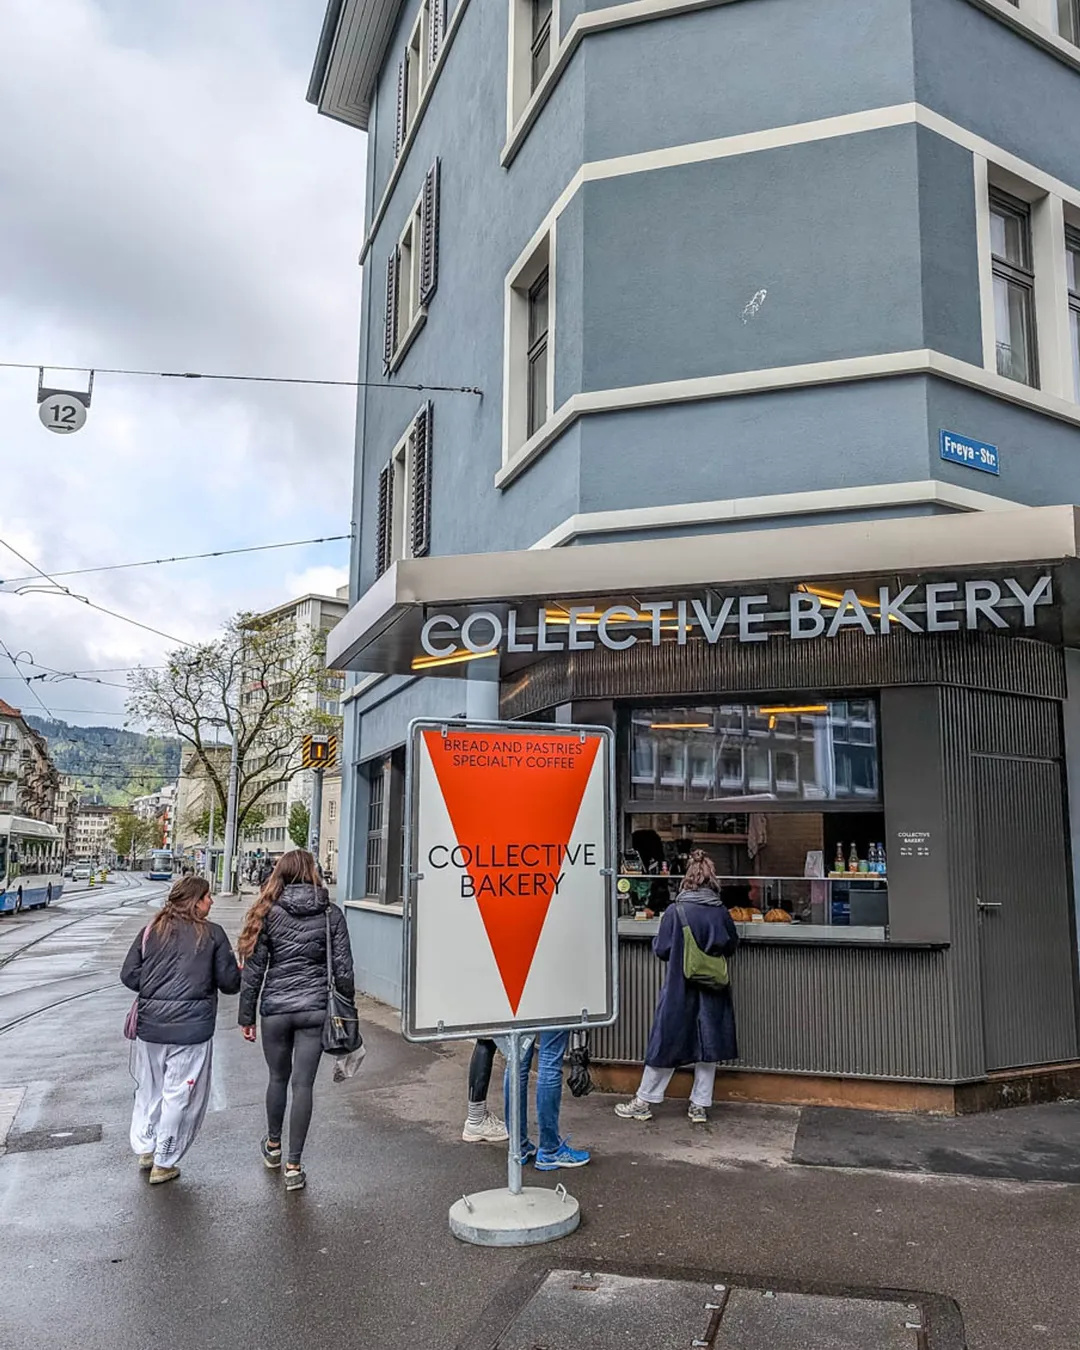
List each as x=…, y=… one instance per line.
x=494, y=801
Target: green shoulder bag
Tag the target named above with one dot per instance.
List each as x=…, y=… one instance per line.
x=708, y=972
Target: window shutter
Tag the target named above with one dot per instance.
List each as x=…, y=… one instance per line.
x=399, y=125
x=420, y=525
x=429, y=235
x=390, y=332
x=438, y=27
x=382, y=523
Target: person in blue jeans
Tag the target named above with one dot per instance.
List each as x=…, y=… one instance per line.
x=554, y=1151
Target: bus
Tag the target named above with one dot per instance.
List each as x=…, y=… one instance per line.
x=161, y=865
x=30, y=864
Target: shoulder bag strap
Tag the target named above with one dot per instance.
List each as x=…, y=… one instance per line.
x=329, y=957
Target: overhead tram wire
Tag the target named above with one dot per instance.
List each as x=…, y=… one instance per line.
x=182, y=557
x=248, y=379
x=15, y=667
x=66, y=590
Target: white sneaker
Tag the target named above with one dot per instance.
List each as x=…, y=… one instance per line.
x=491, y=1130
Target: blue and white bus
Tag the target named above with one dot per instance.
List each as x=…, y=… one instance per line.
x=30, y=863
x=161, y=865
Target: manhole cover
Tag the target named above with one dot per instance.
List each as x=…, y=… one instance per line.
x=574, y=1310
x=60, y=1136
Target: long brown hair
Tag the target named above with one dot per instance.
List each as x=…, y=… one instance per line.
x=296, y=866
x=181, y=906
x=700, y=873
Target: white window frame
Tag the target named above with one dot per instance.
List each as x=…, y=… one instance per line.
x=521, y=89
x=411, y=314
x=1072, y=225
x=1052, y=330
x=538, y=256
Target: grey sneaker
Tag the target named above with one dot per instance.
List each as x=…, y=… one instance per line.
x=697, y=1115
x=271, y=1153
x=491, y=1130
x=634, y=1109
x=295, y=1178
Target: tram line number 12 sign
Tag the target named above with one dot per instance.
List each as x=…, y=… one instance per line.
x=510, y=919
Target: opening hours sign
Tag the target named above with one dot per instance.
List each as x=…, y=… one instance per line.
x=510, y=915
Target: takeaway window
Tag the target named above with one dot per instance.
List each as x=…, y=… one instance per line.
x=771, y=751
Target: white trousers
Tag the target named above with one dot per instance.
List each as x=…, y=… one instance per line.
x=171, y=1095
x=654, y=1084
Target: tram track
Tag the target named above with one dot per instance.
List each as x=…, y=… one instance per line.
x=117, y=903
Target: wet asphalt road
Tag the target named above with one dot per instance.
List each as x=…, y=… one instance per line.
x=93, y=1259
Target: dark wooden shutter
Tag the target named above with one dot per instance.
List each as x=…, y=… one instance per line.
x=399, y=125
x=390, y=331
x=429, y=235
x=384, y=519
x=438, y=27
x=420, y=524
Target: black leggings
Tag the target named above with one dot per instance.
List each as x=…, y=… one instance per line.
x=483, y=1057
x=292, y=1045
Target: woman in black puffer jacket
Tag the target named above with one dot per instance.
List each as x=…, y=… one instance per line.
x=283, y=946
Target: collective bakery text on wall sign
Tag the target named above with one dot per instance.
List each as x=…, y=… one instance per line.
x=930, y=607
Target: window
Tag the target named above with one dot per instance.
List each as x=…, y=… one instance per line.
x=414, y=70
x=1069, y=20
x=403, y=523
x=790, y=751
x=540, y=48
x=1072, y=260
x=1014, y=289
x=538, y=353
x=331, y=810
x=530, y=356
x=375, y=838
x=412, y=273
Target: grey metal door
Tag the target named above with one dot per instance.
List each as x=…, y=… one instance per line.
x=1023, y=897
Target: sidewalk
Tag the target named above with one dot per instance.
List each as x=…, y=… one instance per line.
x=363, y=1258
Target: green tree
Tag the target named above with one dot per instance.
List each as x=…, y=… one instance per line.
x=299, y=822
x=258, y=685
x=129, y=830
x=198, y=823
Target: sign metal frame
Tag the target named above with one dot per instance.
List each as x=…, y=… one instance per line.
x=509, y=1027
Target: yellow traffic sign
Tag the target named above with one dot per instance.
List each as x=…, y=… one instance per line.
x=319, y=752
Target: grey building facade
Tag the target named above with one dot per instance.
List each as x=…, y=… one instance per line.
x=717, y=275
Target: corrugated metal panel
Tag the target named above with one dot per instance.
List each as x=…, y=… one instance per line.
x=849, y=661
x=855, y=1011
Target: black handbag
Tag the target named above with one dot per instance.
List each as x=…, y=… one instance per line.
x=579, y=1079
x=341, y=1026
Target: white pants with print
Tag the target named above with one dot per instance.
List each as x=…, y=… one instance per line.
x=171, y=1096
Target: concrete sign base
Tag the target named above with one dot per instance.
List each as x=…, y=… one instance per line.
x=501, y=1219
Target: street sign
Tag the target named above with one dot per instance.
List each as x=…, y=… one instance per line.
x=972, y=454
x=62, y=413
x=319, y=752
x=510, y=920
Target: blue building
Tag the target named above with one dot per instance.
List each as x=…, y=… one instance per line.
x=698, y=330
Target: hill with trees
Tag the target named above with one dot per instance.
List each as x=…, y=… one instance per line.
x=112, y=765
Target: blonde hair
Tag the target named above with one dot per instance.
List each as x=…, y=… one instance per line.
x=700, y=873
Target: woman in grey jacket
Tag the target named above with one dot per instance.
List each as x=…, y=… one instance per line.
x=176, y=965
x=283, y=945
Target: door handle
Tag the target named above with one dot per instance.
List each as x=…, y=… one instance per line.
x=987, y=904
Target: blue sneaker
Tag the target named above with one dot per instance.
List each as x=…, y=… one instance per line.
x=563, y=1156
x=528, y=1152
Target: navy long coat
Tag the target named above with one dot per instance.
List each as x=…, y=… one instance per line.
x=691, y=1024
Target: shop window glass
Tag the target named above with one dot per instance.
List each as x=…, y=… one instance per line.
x=772, y=750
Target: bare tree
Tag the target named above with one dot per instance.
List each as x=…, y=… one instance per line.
x=258, y=684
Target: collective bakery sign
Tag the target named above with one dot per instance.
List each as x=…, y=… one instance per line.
x=808, y=612
x=510, y=916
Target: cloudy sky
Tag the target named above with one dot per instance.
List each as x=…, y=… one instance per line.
x=169, y=201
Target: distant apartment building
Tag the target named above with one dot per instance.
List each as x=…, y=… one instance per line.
x=306, y=616
x=29, y=781
x=92, y=833
x=330, y=821
x=67, y=803
x=193, y=795
x=159, y=805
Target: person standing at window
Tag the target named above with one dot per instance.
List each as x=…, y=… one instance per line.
x=692, y=1024
x=176, y=966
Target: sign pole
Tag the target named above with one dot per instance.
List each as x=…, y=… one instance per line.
x=513, y=1070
